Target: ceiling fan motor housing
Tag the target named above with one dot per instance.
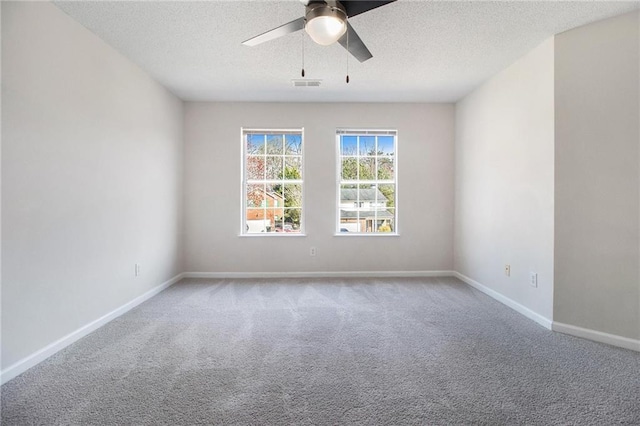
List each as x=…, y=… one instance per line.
x=325, y=22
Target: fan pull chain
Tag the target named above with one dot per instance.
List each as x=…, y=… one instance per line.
x=347, y=55
x=303, y=54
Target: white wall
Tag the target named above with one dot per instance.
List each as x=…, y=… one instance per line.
x=91, y=179
x=597, y=283
x=213, y=197
x=504, y=182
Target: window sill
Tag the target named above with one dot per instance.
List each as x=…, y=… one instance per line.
x=273, y=234
x=366, y=234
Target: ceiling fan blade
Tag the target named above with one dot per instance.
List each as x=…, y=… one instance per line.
x=356, y=7
x=282, y=30
x=356, y=45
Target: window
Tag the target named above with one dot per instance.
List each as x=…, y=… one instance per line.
x=272, y=182
x=367, y=181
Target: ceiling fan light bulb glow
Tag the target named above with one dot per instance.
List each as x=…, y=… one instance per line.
x=326, y=30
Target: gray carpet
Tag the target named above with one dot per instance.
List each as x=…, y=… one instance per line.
x=330, y=351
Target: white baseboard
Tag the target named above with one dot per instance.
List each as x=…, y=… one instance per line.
x=44, y=353
x=598, y=336
x=322, y=274
x=545, y=322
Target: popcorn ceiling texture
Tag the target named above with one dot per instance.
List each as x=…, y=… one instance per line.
x=423, y=51
x=327, y=351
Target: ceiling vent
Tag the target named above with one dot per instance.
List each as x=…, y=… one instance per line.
x=306, y=83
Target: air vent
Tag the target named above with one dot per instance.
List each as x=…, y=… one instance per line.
x=306, y=83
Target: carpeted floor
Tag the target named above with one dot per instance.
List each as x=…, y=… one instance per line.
x=327, y=351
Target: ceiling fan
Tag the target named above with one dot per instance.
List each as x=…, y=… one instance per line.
x=326, y=21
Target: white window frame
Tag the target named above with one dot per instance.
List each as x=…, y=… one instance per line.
x=340, y=181
x=245, y=182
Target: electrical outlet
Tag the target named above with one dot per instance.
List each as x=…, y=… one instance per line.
x=533, y=279
x=507, y=270
x=137, y=269
x=312, y=251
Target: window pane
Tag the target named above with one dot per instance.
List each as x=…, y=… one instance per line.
x=348, y=194
x=255, y=214
x=278, y=223
x=270, y=219
x=367, y=145
x=349, y=168
x=293, y=168
x=275, y=144
x=293, y=195
x=255, y=168
x=349, y=221
x=292, y=220
x=389, y=194
x=386, y=221
x=256, y=222
x=349, y=145
x=293, y=144
x=273, y=169
x=367, y=168
x=255, y=195
x=385, y=145
x=272, y=193
x=255, y=144
x=385, y=168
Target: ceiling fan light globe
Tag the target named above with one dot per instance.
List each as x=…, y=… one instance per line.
x=326, y=30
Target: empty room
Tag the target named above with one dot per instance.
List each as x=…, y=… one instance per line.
x=320, y=212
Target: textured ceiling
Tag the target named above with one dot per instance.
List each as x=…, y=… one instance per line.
x=423, y=51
